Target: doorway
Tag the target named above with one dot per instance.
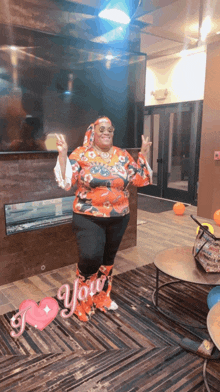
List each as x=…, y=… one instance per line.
x=175, y=132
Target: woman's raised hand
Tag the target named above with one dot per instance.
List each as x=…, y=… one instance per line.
x=145, y=147
x=61, y=144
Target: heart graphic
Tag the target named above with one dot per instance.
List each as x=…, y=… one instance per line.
x=40, y=316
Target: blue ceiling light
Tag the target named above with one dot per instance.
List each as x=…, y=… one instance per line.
x=119, y=11
x=115, y=15
x=109, y=57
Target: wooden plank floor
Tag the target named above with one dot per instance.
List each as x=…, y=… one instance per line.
x=156, y=232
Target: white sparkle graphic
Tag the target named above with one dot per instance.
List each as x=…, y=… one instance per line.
x=35, y=326
x=47, y=309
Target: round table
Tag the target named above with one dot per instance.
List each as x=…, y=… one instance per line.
x=180, y=264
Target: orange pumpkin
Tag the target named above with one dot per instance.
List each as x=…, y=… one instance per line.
x=217, y=217
x=179, y=208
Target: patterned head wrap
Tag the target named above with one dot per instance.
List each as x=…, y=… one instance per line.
x=103, y=119
x=89, y=135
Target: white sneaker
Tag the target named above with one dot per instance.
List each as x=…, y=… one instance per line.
x=113, y=306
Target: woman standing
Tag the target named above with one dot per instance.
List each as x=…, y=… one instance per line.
x=101, y=206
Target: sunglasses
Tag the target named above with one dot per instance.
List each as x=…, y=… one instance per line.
x=110, y=130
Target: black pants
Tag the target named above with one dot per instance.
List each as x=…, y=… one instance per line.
x=98, y=240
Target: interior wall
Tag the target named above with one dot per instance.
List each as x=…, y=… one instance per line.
x=209, y=169
x=183, y=77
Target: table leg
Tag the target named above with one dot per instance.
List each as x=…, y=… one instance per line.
x=155, y=296
x=157, y=286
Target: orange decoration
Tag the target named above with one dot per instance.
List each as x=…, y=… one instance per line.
x=179, y=208
x=217, y=217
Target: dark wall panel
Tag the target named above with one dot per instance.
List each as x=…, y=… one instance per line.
x=42, y=94
x=29, y=177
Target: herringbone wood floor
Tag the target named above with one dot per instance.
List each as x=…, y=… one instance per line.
x=133, y=349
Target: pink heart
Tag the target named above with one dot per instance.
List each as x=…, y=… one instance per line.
x=40, y=316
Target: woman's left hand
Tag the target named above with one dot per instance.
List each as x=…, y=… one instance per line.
x=145, y=147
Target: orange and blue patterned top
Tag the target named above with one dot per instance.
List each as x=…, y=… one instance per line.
x=102, y=187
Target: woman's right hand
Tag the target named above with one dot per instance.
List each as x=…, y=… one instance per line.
x=61, y=144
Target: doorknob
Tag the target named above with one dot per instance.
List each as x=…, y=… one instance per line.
x=160, y=160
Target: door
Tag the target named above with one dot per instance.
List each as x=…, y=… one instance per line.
x=174, y=157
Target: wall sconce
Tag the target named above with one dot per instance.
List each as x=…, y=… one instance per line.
x=160, y=94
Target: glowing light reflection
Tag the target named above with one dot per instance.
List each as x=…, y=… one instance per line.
x=117, y=34
x=206, y=28
x=109, y=57
x=115, y=15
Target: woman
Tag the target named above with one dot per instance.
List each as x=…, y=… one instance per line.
x=101, y=206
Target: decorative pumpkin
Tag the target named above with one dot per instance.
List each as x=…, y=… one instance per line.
x=179, y=208
x=217, y=217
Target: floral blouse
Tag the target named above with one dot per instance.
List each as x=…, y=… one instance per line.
x=101, y=187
